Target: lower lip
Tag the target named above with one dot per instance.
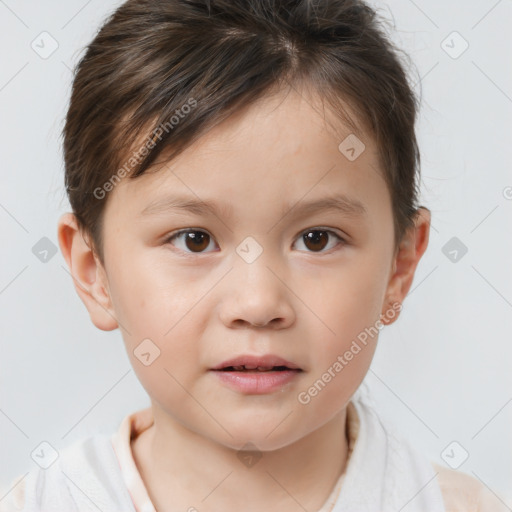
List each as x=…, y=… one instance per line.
x=257, y=383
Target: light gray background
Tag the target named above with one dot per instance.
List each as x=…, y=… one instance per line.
x=442, y=373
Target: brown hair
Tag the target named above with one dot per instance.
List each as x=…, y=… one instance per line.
x=154, y=61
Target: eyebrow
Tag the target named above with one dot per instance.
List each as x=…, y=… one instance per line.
x=341, y=203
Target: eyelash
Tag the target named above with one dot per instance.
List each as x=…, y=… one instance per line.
x=174, y=235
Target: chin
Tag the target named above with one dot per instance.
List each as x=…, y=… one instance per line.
x=263, y=437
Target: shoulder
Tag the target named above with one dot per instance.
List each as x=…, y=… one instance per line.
x=85, y=468
x=12, y=497
x=464, y=493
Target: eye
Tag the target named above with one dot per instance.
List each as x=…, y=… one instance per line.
x=195, y=241
x=316, y=239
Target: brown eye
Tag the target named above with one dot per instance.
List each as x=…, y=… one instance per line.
x=316, y=240
x=192, y=240
x=196, y=240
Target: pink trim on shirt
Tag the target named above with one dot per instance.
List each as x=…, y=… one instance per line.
x=131, y=426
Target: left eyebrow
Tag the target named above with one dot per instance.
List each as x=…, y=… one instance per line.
x=349, y=207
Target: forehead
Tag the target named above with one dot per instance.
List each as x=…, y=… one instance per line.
x=277, y=151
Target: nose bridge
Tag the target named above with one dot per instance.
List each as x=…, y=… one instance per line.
x=251, y=268
x=254, y=293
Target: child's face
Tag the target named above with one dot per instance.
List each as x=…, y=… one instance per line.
x=204, y=301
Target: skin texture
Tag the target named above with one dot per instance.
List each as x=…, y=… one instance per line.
x=303, y=302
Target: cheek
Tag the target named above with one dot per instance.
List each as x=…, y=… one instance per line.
x=147, y=300
x=340, y=364
x=347, y=308
x=332, y=389
x=347, y=302
x=166, y=365
x=157, y=325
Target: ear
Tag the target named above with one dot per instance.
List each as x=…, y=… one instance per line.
x=412, y=247
x=88, y=274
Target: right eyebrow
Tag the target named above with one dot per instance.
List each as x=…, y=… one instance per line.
x=186, y=204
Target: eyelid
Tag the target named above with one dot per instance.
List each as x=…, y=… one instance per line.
x=328, y=229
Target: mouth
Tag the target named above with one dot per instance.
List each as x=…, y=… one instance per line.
x=256, y=363
x=258, y=369
x=257, y=375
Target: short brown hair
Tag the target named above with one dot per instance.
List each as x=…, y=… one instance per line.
x=153, y=57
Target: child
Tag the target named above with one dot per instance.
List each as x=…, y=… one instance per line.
x=244, y=128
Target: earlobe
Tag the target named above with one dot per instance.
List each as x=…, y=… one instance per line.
x=412, y=247
x=89, y=277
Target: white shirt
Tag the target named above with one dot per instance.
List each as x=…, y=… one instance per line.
x=100, y=472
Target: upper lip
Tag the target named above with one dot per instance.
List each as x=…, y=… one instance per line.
x=265, y=361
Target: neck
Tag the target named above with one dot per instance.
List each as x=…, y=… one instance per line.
x=182, y=469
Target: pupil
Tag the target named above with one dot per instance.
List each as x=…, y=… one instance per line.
x=198, y=238
x=320, y=236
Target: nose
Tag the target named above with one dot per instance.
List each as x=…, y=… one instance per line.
x=255, y=295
